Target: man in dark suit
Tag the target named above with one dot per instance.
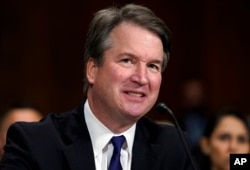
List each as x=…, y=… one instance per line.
x=127, y=50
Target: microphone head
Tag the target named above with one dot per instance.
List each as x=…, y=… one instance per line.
x=162, y=108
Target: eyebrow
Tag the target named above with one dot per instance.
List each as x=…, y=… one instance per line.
x=135, y=56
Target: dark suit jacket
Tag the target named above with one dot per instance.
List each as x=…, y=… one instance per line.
x=62, y=142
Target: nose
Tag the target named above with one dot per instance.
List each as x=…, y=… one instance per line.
x=140, y=74
x=233, y=146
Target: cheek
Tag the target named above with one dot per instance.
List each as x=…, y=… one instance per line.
x=218, y=148
x=244, y=148
x=112, y=73
x=155, y=81
x=116, y=75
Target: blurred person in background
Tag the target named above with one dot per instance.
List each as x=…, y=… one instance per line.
x=15, y=113
x=193, y=115
x=226, y=132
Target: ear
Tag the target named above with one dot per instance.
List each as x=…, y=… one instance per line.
x=91, y=70
x=204, y=145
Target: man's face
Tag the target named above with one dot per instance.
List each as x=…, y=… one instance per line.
x=127, y=85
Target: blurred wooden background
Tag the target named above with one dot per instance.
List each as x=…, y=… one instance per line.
x=41, y=50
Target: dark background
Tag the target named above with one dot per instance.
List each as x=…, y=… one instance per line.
x=41, y=50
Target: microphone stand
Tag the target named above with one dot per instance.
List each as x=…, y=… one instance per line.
x=162, y=108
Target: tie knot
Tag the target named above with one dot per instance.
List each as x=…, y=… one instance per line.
x=117, y=142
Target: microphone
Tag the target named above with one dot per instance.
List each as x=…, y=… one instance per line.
x=162, y=108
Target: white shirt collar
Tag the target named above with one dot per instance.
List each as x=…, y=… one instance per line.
x=100, y=135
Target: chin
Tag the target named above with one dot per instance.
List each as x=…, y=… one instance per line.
x=135, y=115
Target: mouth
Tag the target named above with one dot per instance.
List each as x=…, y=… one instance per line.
x=136, y=94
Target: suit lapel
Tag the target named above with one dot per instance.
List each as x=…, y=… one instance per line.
x=79, y=151
x=80, y=155
x=145, y=155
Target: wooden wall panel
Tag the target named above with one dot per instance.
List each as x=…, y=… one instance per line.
x=41, y=49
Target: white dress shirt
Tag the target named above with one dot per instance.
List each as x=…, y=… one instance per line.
x=100, y=137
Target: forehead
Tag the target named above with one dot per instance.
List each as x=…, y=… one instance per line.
x=24, y=114
x=129, y=36
x=231, y=124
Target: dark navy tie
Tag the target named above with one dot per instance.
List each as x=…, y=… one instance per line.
x=115, y=163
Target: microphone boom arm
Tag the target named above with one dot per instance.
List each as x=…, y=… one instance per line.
x=162, y=108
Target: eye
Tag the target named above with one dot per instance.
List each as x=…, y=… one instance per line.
x=242, y=139
x=126, y=60
x=154, y=67
x=224, y=137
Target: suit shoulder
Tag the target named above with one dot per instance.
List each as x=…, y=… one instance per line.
x=160, y=133
x=54, y=125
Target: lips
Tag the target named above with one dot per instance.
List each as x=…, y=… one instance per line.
x=135, y=94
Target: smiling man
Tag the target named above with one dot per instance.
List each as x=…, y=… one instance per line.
x=127, y=50
x=133, y=65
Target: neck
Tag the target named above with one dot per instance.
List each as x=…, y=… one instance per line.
x=113, y=121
